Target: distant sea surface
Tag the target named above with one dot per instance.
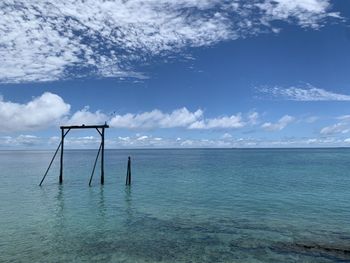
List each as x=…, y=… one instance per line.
x=193, y=205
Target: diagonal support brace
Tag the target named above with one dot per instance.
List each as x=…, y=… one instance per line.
x=48, y=168
x=93, y=170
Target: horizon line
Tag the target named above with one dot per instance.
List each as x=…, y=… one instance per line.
x=187, y=148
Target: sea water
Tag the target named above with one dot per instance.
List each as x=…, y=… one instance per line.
x=184, y=205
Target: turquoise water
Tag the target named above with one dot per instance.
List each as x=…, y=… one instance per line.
x=232, y=205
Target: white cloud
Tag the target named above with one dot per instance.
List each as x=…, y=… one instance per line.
x=156, y=119
x=225, y=122
x=307, y=13
x=344, y=118
x=308, y=93
x=142, y=138
x=150, y=141
x=226, y=136
x=341, y=127
x=311, y=119
x=50, y=40
x=336, y=128
x=253, y=117
x=86, y=117
x=27, y=140
x=142, y=141
x=179, y=118
x=51, y=110
x=82, y=142
x=41, y=112
x=247, y=142
x=279, y=125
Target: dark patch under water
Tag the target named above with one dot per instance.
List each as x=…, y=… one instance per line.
x=154, y=240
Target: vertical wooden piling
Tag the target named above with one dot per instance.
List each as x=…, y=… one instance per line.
x=61, y=161
x=102, y=156
x=128, y=172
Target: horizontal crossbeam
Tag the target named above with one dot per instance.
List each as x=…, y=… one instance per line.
x=85, y=126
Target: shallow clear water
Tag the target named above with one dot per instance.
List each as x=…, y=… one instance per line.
x=256, y=205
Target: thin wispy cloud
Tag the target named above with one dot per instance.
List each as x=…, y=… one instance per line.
x=308, y=93
x=52, y=40
x=342, y=126
x=21, y=140
x=149, y=141
x=279, y=125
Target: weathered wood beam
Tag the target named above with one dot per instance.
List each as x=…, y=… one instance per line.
x=48, y=168
x=102, y=156
x=128, y=172
x=93, y=170
x=85, y=126
x=61, y=159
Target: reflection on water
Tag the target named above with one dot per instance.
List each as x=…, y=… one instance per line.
x=60, y=199
x=128, y=204
x=256, y=206
x=101, y=203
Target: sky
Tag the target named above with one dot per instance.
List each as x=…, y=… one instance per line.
x=175, y=73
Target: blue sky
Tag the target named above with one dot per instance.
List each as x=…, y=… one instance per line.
x=181, y=73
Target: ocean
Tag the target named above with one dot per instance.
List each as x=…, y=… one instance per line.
x=184, y=205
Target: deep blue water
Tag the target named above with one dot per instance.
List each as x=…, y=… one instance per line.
x=217, y=205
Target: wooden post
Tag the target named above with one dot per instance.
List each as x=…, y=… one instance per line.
x=61, y=161
x=128, y=173
x=102, y=156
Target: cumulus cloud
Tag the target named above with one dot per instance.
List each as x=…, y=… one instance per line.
x=225, y=122
x=50, y=110
x=279, y=125
x=51, y=40
x=86, y=117
x=308, y=93
x=180, y=118
x=40, y=112
x=156, y=119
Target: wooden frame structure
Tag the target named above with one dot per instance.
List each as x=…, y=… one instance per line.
x=64, y=131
